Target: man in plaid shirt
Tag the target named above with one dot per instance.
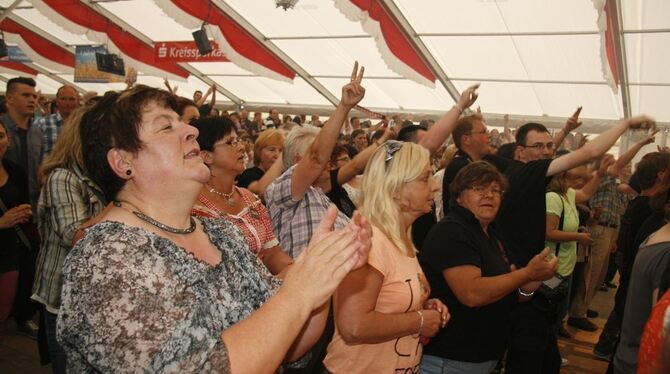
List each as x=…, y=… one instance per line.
x=67, y=100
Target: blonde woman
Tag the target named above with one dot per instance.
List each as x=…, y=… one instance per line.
x=68, y=199
x=267, y=149
x=381, y=310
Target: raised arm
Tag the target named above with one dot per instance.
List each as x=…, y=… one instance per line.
x=258, y=187
x=598, y=146
x=447, y=123
x=628, y=156
x=315, y=160
x=204, y=97
x=584, y=194
x=356, y=166
x=571, y=124
x=213, y=102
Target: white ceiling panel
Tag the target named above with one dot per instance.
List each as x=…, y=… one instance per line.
x=561, y=57
x=219, y=68
x=648, y=57
x=561, y=100
x=336, y=56
x=46, y=25
x=47, y=85
x=491, y=57
x=265, y=90
x=651, y=100
x=375, y=95
x=645, y=15
x=149, y=19
x=482, y=16
x=502, y=97
x=308, y=18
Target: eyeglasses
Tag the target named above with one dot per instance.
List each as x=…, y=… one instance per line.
x=483, y=191
x=342, y=159
x=233, y=142
x=539, y=146
x=392, y=146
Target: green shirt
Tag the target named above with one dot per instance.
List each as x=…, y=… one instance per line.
x=557, y=205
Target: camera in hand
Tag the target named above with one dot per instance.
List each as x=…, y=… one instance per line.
x=110, y=63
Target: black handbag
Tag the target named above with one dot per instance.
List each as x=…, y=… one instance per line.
x=554, y=290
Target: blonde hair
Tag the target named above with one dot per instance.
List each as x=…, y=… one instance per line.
x=67, y=151
x=383, y=180
x=265, y=139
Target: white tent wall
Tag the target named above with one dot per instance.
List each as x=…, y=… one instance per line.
x=537, y=59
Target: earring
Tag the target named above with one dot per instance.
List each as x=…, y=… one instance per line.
x=128, y=172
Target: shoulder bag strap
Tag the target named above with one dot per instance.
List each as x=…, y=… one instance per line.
x=560, y=222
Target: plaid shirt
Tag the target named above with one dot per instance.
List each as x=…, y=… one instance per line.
x=50, y=127
x=612, y=201
x=294, y=222
x=68, y=199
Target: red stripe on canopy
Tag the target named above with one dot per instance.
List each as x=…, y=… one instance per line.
x=39, y=44
x=403, y=57
x=129, y=45
x=609, y=46
x=19, y=67
x=238, y=38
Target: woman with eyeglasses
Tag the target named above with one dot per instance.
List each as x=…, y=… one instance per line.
x=382, y=309
x=471, y=272
x=223, y=152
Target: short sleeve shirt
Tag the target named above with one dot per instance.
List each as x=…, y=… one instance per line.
x=253, y=220
x=404, y=289
x=557, y=206
x=473, y=334
x=522, y=215
x=294, y=222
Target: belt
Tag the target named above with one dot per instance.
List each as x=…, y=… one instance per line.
x=605, y=224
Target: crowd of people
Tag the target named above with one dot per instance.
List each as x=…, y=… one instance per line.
x=156, y=233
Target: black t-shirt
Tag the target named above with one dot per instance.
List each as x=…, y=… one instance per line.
x=460, y=160
x=249, y=175
x=522, y=215
x=339, y=196
x=473, y=334
x=637, y=212
x=14, y=192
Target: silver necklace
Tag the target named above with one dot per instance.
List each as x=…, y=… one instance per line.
x=228, y=196
x=161, y=226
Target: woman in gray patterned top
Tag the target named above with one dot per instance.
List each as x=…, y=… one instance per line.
x=151, y=289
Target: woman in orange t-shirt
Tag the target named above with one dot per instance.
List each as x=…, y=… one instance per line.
x=381, y=309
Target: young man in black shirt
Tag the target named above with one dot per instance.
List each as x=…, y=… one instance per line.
x=533, y=347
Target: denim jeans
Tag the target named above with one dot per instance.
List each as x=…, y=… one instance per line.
x=56, y=353
x=438, y=365
x=563, y=306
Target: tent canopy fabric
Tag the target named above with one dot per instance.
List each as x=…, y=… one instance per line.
x=535, y=58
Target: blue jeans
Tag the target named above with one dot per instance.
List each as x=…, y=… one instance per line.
x=56, y=353
x=438, y=365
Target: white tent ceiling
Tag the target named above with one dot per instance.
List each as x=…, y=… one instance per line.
x=535, y=58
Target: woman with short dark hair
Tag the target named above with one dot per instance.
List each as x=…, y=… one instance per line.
x=472, y=273
x=150, y=288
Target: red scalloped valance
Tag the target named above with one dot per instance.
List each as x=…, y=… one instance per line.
x=129, y=45
x=39, y=44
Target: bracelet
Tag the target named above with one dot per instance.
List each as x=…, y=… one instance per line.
x=526, y=294
x=421, y=324
x=460, y=111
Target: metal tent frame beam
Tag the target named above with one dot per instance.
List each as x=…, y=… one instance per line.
x=422, y=49
x=248, y=27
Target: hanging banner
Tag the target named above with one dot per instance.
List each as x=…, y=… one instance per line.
x=86, y=67
x=186, y=51
x=15, y=54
